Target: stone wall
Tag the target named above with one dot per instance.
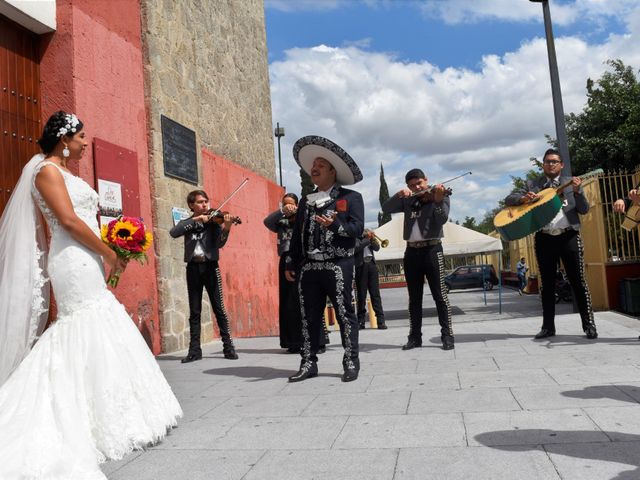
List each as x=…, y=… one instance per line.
x=206, y=68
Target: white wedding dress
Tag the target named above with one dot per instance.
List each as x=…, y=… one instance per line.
x=89, y=390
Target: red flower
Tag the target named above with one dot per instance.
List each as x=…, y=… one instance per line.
x=341, y=205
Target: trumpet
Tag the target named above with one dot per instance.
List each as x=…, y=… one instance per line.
x=384, y=243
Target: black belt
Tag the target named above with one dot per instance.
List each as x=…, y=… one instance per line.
x=198, y=259
x=367, y=259
x=424, y=243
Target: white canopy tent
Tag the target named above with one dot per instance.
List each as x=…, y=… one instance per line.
x=458, y=240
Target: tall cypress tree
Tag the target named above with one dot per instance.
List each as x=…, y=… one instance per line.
x=306, y=184
x=383, y=196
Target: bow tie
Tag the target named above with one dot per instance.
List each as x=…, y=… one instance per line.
x=552, y=183
x=318, y=199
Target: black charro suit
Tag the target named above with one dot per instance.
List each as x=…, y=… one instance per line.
x=203, y=271
x=424, y=260
x=566, y=245
x=323, y=258
x=367, y=280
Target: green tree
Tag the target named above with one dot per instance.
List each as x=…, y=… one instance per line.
x=470, y=222
x=383, y=196
x=607, y=132
x=306, y=184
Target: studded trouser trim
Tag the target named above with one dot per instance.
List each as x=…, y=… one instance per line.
x=319, y=280
x=569, y=248
x=221, y=315
x=420, y=263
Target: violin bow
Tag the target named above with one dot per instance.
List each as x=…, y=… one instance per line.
x=230, y=196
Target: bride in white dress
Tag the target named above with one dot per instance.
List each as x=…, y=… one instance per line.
x=89, y=390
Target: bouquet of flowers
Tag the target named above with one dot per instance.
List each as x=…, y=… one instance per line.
x=127, y=236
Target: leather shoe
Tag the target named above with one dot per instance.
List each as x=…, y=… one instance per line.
x=192, y=357
x=447, y=342
x=382, y=326
x=230, y=354
x=350, y=374
x=351, y=369
x=321, y=349
x=361, y=326
x=412, y=343
x=591, y=332
x=544, y=333
x=308, y=369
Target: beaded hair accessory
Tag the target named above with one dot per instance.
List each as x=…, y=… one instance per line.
x=71, y=122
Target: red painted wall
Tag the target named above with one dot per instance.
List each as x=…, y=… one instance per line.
x=92, y=65
x=249, y=260
x=616, y=272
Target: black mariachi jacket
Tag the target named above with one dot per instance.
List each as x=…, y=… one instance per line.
x=361, y=243
x=211, y=235
x=336, y=241
x=572, y=204
x=278, y=223
x=430, y=216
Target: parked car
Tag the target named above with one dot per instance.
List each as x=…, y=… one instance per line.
x=472, y=276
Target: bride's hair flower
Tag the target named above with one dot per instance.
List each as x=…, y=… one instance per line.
x=128, y=237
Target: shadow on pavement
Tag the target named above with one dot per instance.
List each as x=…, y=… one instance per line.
x=604, y=391
x=595, y=450
x=257, y=373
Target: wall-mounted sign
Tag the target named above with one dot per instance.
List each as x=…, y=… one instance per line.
x=179, y=213
x=179, y=151
x=110, y=194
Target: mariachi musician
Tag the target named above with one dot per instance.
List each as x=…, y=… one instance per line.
x=629, y=206
x=560, y=239
x=426, y=210
x=367, y=278
x=328, y=222
x=205, y=232
x=281, y=222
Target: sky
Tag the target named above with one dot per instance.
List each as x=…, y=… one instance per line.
x=447, y=86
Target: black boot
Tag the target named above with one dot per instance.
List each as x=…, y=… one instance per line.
x=308, y=369
x=447, y=342
x=591, y=332
x=229, y=352
x=191, y=357
x=412, y=343
x=351, y=370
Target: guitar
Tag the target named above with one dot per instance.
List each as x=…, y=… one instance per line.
x=514, y=223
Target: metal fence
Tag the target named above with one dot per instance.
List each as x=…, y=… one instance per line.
x=622, y=245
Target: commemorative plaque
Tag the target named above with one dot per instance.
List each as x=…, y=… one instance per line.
x=179, y=151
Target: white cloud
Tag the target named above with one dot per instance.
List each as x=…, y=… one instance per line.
x=446, y=121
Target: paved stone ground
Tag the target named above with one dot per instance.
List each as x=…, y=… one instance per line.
x=500, y=406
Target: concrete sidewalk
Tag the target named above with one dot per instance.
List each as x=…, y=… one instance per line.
x=500, y=406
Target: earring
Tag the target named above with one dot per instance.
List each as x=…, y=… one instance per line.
x=66, y=152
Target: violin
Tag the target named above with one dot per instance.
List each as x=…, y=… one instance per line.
x=218, y=217
x=428, y=193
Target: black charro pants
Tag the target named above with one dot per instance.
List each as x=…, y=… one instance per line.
x=289, y=311
x=333, y=279
x=420, y=263
x=367, y=280
x=567, y=247
x=290, y=317
x=206, y=275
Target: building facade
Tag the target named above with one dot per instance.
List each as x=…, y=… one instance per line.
x=123, y=66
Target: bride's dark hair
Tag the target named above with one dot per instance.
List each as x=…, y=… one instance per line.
x=50, y=138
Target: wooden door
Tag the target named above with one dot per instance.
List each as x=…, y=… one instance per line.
x=20, y=125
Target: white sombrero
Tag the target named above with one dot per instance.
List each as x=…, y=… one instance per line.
x=308, y=148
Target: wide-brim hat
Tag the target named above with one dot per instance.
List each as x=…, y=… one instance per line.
x=308, y=148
